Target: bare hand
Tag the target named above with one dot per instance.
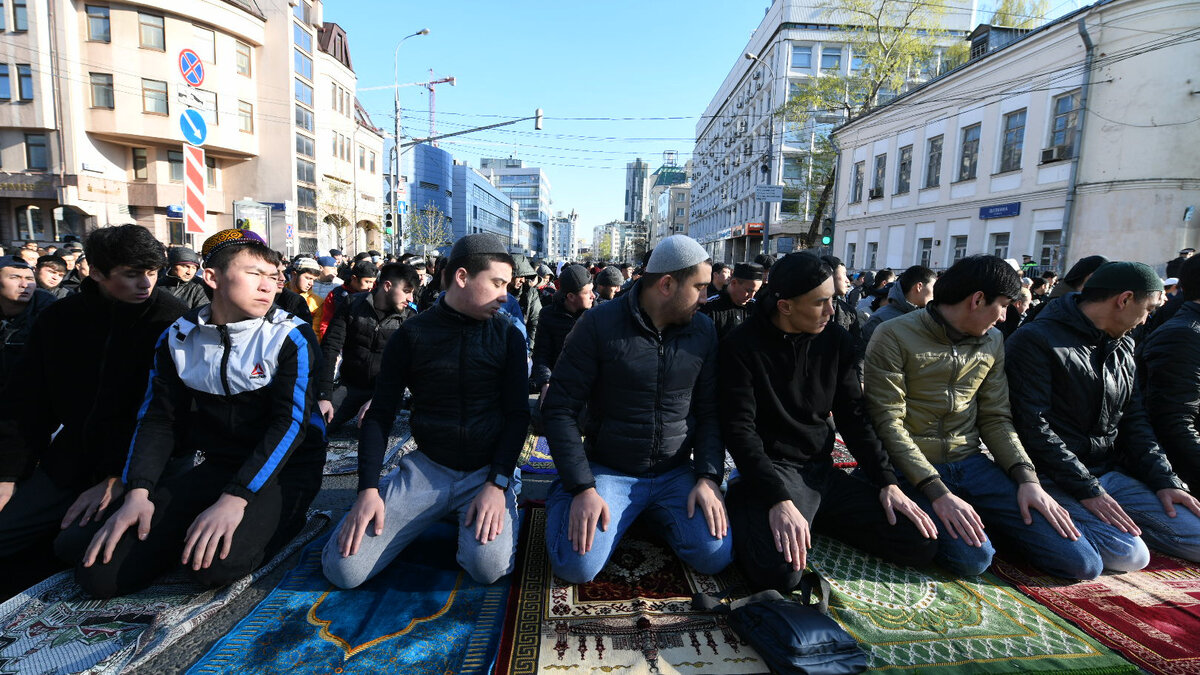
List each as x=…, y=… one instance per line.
x=213, y=529
x=894, y=499
x=1107, y=509
x=362, y=412
x=6, y=492
x=367, y=507
x=588, y=509
x=1172, y=496
x=960, y=519
x=1031, y=495
x=542, y=396
x=326, y=408
x=487, y=512
x=93, y=501
x=707, y=495
x=137, y=510
x=792, y=537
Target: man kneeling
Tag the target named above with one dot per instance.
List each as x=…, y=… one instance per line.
x=465, y=366
x=233, y=379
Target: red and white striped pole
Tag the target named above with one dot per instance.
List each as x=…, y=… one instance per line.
x=193, y=189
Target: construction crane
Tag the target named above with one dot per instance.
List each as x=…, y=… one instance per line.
x=431, y=85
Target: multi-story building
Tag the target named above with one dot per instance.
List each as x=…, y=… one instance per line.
x=90, y=98
x=637, y=174
x=530, y=190
x=741, y=143
x=433, y=182
x=1060, y=142
x=563, y=244
x=480, y=206
x=670, y=186
x=606, y=241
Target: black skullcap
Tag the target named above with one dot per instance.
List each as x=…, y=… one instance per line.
x=1125, y=276
x=796, y=274
x=181, y=254
x=764, y=259
x=573, y=278
x=481, y=243
x=1084, y=267
x=14, y=261
x=748, y=271
x=609, y=276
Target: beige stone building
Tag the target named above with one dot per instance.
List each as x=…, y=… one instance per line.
x=90, y=98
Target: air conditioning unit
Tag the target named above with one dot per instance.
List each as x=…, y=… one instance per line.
x=875, y=193
x=1055, y=154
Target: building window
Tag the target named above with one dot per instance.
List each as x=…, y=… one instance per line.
x=933, y=162
x=5, y=83
x=204, y=43
x=969, y=160
x=371, y=161
x=831, y=59
x=306, y=198
x=97, y=24
x=246, y=117
x=3, y=17
x=304, y=93
x=306, y=171
x=1062, y=127
x=244, y=55
x=154, y=97
x=334, y=147
x=1000, y=244
x=102, y=90
x=175, y=162
x=1048, y=247
x=851, y=249
x=210, y=164
x=904, y=170
x=856, y=184
x=303, y=64
x=1014, y=141
x=20, y=16
x=152, y=33
x=304, y=119
x=36, y=157
x=880, y=172
x=960, y=247
x=872, y=254
x=302, y=37
x=925, y=252
x=305, y=146
x=362, y=158
x=140, y=164
x=303, y=11
x=24, y=82
x=801, y=58
x=209, y=106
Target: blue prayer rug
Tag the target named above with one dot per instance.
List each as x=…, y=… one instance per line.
x=422, y=614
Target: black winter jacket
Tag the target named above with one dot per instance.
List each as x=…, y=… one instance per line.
x=725, y=315
x=293, y=303
x=190, y=292
x=358, y=332
x=470, y=397
x=1075, y=403
x=1170, y=375
x=651, y=397
x=85, y=367
x=779, y=392
x=556, y=322
x=14, y=332
x=531, y=307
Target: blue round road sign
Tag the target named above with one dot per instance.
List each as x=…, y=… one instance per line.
x=194, y=128
x=191, y=68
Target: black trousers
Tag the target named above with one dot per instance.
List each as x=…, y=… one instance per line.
x=28, y=525
x=177, y=502
x=834, y=503
x=348, y=408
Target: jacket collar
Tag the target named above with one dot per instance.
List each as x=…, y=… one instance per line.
x=642, y=319
x=445, y=311
x=896, y=297
x=931, y=317
x=1066, y=311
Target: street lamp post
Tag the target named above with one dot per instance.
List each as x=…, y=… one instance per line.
x=397, y=231
x=769, y=167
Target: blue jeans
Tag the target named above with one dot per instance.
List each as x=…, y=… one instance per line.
x=978, y=481
x=663, y=498
x=1178, y=536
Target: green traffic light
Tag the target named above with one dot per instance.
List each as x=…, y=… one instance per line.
x=826, y=240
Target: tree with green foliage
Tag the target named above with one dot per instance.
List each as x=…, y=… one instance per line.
x=1020, y=13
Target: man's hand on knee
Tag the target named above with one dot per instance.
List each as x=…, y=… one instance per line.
x=137, y=510
x=960, y=519
x=212, y=530
x=1108, y=510
x=707, y=495
x=487, y=512
x=1172, y=496
x=367, y=508
x=789, y=527
x=92, y=502
x=588, y=509
x=1033, y=496
x=7, y=488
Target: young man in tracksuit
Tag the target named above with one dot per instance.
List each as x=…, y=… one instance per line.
x=784, y=373
x=236, y=380
x=465, y=364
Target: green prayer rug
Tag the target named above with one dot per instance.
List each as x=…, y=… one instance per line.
x=929, y=621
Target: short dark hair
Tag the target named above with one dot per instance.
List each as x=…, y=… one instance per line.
x=220, y=260
x=1037, y=283
x=651, y=278
x=1049, y=274
x=52, y=261
x=833, y=261
x=401, y=272
x=1094, y=294
x=986, y=273
x=1189, y=278
x=911, y=276
x=364, y=269
x=766, y=260
x=478, y=262
x=719, y=267
x=130, y=245
x=625, y=266
x=883, y=277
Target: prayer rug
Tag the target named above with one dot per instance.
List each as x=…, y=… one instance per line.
x=535, y=457
x=341, y=451
x=420, y=615
x=636, y=617
x=929, y=621
x=53, y=628
x=842, y=458
x=1151, y=616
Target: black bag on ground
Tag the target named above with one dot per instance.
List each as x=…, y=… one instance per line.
x=792, y=637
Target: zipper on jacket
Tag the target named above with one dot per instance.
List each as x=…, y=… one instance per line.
x=462, y=387
x=657, y=435
x=950, y=410
x=226, y=348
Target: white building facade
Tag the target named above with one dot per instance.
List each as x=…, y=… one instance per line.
x=1034, y=148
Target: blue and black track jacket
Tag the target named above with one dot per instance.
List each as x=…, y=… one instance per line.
x=253, y=385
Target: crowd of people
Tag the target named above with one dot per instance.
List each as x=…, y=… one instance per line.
x=171, y=407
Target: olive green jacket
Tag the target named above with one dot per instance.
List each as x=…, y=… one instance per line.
x=933, y=399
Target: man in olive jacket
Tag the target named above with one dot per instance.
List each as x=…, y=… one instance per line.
x=936, y=390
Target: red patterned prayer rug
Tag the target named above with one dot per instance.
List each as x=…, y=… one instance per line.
x=636, y=617
x=1152, y=617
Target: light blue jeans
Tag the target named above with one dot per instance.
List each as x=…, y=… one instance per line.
x=1178, y=536
x=662, y=498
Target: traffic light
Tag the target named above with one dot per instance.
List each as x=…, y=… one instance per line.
x=537, y=119
x=387, y=223
x=827, y=233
